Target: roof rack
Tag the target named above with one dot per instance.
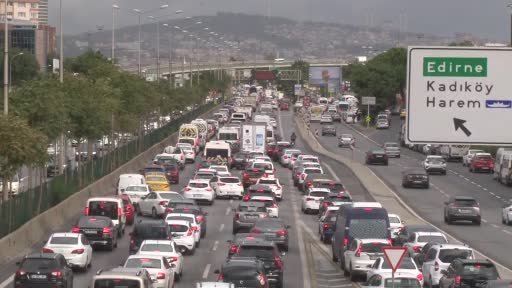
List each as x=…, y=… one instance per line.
x=99, y=272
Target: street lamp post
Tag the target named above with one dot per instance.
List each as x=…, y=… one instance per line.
x=10, y=68
x=6, y=63
x=114, y=8
x=61, y=54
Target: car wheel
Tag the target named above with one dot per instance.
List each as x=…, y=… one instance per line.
x=502, y=219
x=153, y=213
x=478, y=222
x=285, y=248
x=507, y=221
x=334, y=258
x=137, y=208
x=192, y=251
x=111, y=246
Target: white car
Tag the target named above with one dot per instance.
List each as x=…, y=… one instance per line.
x=228, y=187
x=311, y=201
x=196, y=227
x=308, y=158
x=199, y=190
x=160, y=270
x=346, y=140
x=287, y=156
x=165, y=248
x=466, y=158
x=382, y=124
x=183, y=235
x=309, y=170
x=273, y=122
x=273, y=183
x=386, y=280
x=136, y=192
x=326, y=119
x=439, y=258
x=419, y=239
x=73, y=246
x=361, y=254
x=171, y=154
x=222, y=170
x=270, y=204
x=435, y=163
x=506, y=214
x=155, y=203
x=188, y=150
x=395, y=224
x=266, y=165
x=407, y=267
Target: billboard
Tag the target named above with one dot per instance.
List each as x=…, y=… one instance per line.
x=327, y=75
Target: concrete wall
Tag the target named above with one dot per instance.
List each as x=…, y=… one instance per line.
x=23, y=239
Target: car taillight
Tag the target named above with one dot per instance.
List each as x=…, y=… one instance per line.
x=276, y=150
x=160, y=275
x=189, y=232
x=476, y=205
x=359, y=250
x=310, y=199
x=264, y=175
x=209, y=189
x=326, y=204
x=297, y=175
x=326, y=226
x=416, y=248
x=194, y=228
x=281, y=233
x=57, y=274
x=246, y=198
x=345, y=242
x=457, y=280
x=187, y=189
x=309, y=183
x=279, y=264
x=182, y=157
x=199, y=219
x=239, y=184
x=119, y=211
x=75, y=230
x=237, y=216
x=106, y=230
x=163, y=203
x=221, y=277
x=419, y=277
x=285, y=157
x=390, y=242
x=168, y=210
x=256, y=231
x=274, y=205
x=78, y=251
x=233, y=249
x=46, y=250
x=245, y=175
x=174, y=258
x=20, y=273
x=221, y=184
x=436, y=266
x=86, y=211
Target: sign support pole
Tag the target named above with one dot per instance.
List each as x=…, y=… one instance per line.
x=392, y=279
x=368, y=116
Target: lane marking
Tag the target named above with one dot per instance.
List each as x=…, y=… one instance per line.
x=507, y=232
x=472, y=182
x=492, y=193
x=228, y=210
x=221, y=227
x=485, y=189
x=230, y=201
x=495, y=226
x=332, y=172
x=206, y=271
x=7, y=282
x=483, y=220
x=215, y=245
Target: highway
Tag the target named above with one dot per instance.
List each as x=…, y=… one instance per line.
x=492, y=238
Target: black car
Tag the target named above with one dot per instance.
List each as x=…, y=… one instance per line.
x=409, y=230
x=333, y=199
x=326, y=225
x=243, y=272
x=328, y=130
x=502, y=283
x=376, y=157
x=274, y=230
x=148, y=230
x=100, y=231
x=259, y=190
x=198, y=213
x=43, y=270
x=247, y=214
x=334, y=186
x=336, y=117
x=179, y=203
x=271, y=149
x=204, y=164
x=267, y=252
x=240, y=160
x=468, y=273
x=239, y=238
x=415, y=178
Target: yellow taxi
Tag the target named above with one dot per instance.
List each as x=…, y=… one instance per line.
x=157, y=182
x=402, y=114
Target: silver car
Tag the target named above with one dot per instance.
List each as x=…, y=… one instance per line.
x=392, y=149
x=462, y=208
x=346, y=140
x=287, y=156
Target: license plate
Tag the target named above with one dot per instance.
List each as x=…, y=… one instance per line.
x=231, y=192
x=465, y=211
x=374, y=257
x=378, y=156
x=38, y=276
x=251, y=217
x=198, y=195
x=90, y=231
x=484, y=168
x=417, y=181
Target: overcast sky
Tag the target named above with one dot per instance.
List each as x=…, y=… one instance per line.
x=484, y=18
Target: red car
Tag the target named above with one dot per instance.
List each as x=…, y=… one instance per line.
x=128, y=208
x=284, y=106
x=482, y=162
x=172, y=172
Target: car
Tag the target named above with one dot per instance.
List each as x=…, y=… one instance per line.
x=274, y=230
x=214, y=285
x=200, y=215
x=326, y=119
x=506, y=214
x=284, y=106
x=466, y=158
x=274, y=184
x=415, y=177
x=221, y=170
x=386, y=280
x=199, y=190
x=247, y=213
x=408, y=231
x=158, y=267
x=376, y=157
x=439, y=257
x=73, y=246
x=267, y=166
x=136, y=192
x=324, y=182
x=148, y=229
x=171, y=155
x=128, y=208
x=462, y=208
x=157, y=182
x=392, y=149
x=382, y=124
x=204, y=164
x=306, y=172
x=311, y=201
x=336, y=117
x=228, y=187
x=435, y=163
x=286, y=156
x=407, y=267
x=243, y=272
x=346, y=140
x=267, y=252
x=205, y=174
x=43, y=270
x=326, y=223
x=419, y=239
x=196, y=226
x=468, y=273
x=155, y=203
x=98, y=230
x=482, y=162
x=270, y=204
x=239, y=160
x=360, y=255
x=328, y=130
x=111, y=207
x=334, y=200
x=167, y=249
x=251, y=175
x=183, y=235
x=395, y=224
x=123, y=277
x=259, y=190
x=279, y=149
x=172, y=172
x=239, y=238
x=189, y=151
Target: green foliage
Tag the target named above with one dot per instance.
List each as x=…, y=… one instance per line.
x=24, y=67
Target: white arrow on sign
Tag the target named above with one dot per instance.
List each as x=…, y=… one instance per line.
x=394, y=255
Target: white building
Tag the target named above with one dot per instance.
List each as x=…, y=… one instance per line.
x=35, y=11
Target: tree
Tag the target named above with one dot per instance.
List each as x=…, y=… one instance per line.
x=24, y=67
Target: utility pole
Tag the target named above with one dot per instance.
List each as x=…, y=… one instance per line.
x=139, y=48
x=191, y=75
x=6, y=63
x=170, y=61
x=157, y=51
x=183, y=71
x=61, y=56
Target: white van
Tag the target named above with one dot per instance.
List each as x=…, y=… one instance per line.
x=263, y=119
x=270, y=137
x=126, y=180
x=109, y=207
x=498, y=162
x=239, y=117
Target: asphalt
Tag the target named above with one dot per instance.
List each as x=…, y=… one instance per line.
x=492, y=238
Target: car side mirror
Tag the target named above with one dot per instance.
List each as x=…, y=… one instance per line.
x=216, y=271
x=173, y=265
x=122, y=190
x=229, y=241
x=288, y=227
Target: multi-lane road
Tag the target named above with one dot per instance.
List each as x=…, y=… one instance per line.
x=492, y=238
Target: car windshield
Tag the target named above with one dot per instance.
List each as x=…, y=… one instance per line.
x=36, y=264
x=103, y=208
x=431, y=238
x=256, y=251
x=116, y=283
x=64, y=240
x=157, y=248
x=405, y=264
x=143, y=263
x=480, y=269
x=402, y=283
x=136, y=189
x=448, y=255
x=252, y=208
x=197, y=185
x=394, y=220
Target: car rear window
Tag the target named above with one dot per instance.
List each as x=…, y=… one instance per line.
x=136, y=189
x=186, y=218
x=64, y=240
x=88, y=222
x=256, y=251
x=252, y=208
x=116, y=283
x=486, y=270
x=157, y=247
x=402, y=283
x=241, y=272
x=431, y=238
x=334, y=187
x=156, y=178
x=318, y=193
x=171, y=196
x=229, y=180
x=268, y=203
x=374, y=247
x=465, y=203
x=103, y=208
x=151, y=232
x=405, y=264
x=197, y=185
x=368, y=228
x=178, y=228
x=483, y=158
x=143, y=263
x=204, y=176
x=263, y=166
x=268, y=181
x=254, y=172
x=310, y=159
x=312, y=171
x=394, y=220
x=35, y=264
x=448, y=255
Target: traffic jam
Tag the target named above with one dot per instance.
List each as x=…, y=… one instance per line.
x=239, y=160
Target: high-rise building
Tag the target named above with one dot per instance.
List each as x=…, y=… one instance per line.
x=42, y=12
x=35, y=11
